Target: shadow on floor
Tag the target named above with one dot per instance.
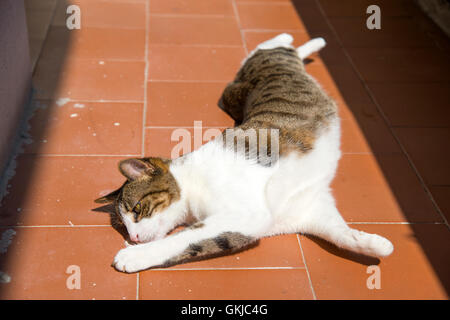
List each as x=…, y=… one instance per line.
x=376, y=132
x=51, y=69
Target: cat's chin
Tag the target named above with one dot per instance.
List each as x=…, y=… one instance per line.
x=149, y=238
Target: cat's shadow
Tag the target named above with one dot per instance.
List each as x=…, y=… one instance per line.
x=114, y=220
x=107, y=208
x=307, y=61
x=325, y=245
x=343, y=253
x=121, y=229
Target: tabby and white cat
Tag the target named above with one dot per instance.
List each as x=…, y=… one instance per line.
x=229, y=199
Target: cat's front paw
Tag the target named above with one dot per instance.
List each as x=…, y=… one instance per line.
x=132, y=259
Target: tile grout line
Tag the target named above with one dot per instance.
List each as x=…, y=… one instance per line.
x=108, y=225
x=238, y=20
x=403, y=81
x=189, y=81
x=196, y=45
x=383, y=115
x=89, y=101
x=144, y=111
x=226, y=81
x=279, y=3
x=162, y=127
x=60, y=226
x=137, y=155
x=306, y=267
x=39, y=55
x=96, y=59
x=229, y=268
x=79, y=155
x=420, y=127
x=396, y=223
x=274, y=30
x=190, y=15
x=185, y=127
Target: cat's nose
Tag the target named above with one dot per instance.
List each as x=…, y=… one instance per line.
x=134, y=237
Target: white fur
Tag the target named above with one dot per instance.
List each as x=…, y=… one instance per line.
x=282, y=40
x=285, y=40
x=310, y=47
x=229, y=193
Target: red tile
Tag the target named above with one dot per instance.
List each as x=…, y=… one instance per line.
x=408, y=189
x=269, y=16
x=194, y=30
x=216, y=7
x=333, y=54
x=424, y=104
x=60, y=190
x=366, y=191
x=431, y=29
x=87, y=128
x=264, y=1
x=441, y=195
x=194, y=63
x=104, y=13
x=411, y=65
x=174, y=142
x=394, y=32
x=352, y=138
x=428, y=149
x=89, y=79
x=338, y=274
x=284, y=252
x=180, y=104
x=195, y=49
x=343, y=85
x=39, y=260
x=351, y=8
x=375, y=130
x=311, y=15
x=225, y=285
x=95, y=43
x=344, y=110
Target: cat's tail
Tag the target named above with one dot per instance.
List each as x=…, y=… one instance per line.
x=310, y=47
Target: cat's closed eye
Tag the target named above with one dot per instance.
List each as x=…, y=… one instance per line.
x=137, y=210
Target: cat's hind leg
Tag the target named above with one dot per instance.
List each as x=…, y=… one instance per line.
x=310, y=47
x=326, y=222
x=282, y=40
x=235, y=94
x=233, y=99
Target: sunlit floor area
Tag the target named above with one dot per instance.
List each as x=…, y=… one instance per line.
x=138, y=70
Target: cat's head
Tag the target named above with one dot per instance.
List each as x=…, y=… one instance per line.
x=144, y=202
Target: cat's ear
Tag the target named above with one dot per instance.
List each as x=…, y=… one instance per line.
x=133, y=169
x=110, y=197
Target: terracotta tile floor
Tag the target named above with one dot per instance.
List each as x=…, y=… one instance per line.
x=139, y=70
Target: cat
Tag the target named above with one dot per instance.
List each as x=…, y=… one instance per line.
x=229, y=198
